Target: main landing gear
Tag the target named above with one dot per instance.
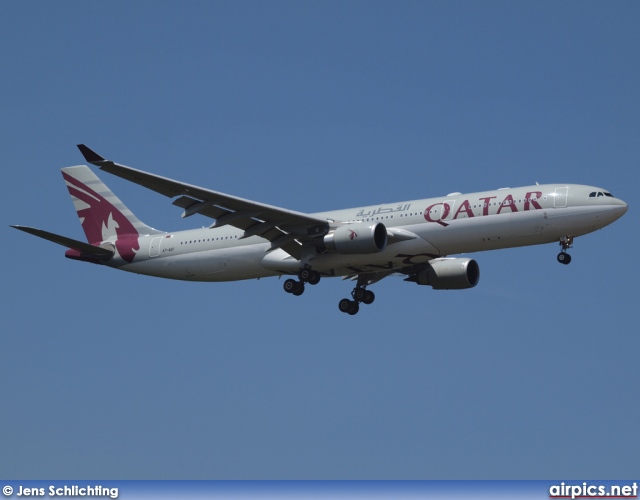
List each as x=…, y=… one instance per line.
x=306, y=275
x=359, y=294
x=565, y=242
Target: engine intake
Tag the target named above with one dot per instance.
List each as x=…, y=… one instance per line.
x=360, y=237
x=450, y=274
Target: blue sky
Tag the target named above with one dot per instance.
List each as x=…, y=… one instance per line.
x=316, y=106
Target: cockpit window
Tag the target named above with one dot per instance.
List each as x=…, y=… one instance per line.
x=599, y=194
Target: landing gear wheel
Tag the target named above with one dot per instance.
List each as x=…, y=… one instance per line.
x=294, y=287
x=310, y=276
x=290, y=285
x=344, y=305
x=305, y=274
x=353, y=308
x=314, y=279
x=564, y=258
x=369, y=297
x=363, y=295
x=350, y=307
x=359, y=294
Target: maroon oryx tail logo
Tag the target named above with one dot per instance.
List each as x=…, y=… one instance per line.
x=100, y=219
x=352, y=234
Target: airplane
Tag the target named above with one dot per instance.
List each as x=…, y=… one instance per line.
x=252, y=240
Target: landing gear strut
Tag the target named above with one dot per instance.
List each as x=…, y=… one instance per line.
x=360, y=295
x=306, y=275
x=565, y=243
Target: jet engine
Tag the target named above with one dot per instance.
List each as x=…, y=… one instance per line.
x=450, y=274
x=360, y=237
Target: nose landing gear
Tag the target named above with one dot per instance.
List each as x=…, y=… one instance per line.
x=566, y=242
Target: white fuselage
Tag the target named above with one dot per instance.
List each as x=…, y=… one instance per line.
x=419, y=230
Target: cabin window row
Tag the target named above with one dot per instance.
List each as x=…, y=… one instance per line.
x=379, y=218
x=205, y=240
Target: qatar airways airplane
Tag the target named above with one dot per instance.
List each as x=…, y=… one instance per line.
x=250, y=240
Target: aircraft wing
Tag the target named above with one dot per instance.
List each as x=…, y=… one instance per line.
x=285, y=229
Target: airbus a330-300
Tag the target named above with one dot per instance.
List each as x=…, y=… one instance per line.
x=250, y=240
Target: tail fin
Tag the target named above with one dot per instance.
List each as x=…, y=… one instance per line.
x=102, y=215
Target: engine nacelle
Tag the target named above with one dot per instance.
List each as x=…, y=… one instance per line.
x=450, y=274
x=360, y=237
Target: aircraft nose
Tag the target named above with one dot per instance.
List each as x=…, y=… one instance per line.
x=620, y=207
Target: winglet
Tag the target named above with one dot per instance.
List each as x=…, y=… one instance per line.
x=90, y=155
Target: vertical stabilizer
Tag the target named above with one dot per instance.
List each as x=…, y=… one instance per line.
x=102, y=215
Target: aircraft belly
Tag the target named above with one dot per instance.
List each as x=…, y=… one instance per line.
x=395, y=256
x=177, y=267
x=230, y=264
x=216, y=265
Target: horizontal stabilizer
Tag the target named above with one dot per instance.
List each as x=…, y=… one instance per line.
x=80, y=246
